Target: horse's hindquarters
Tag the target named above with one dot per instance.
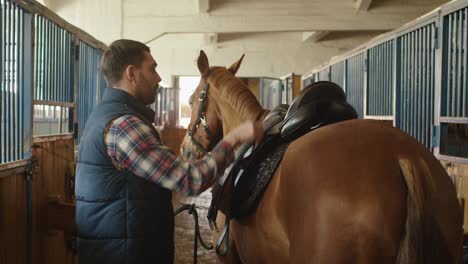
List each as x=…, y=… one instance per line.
x=346, y=198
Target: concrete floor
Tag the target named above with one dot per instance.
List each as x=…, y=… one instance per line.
x=184, y=231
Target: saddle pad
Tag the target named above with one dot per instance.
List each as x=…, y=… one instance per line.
x=254, y=180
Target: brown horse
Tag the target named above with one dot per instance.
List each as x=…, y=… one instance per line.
x=356, y=191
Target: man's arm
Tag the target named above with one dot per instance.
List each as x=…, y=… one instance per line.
x=132, y=145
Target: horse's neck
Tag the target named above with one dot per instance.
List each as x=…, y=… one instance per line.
x=231, y=118
x=234, y=112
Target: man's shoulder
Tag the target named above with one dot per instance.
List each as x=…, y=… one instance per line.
x=127, y=120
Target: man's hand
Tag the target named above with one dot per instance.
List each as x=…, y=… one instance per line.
x=247, y=132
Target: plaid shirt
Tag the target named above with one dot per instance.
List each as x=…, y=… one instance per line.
x=134, y=146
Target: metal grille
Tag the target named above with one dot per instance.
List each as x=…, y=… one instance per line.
x=307, y=81
x=15, y=58
x=324, y=75
x=270, y=92
x=87, y=83
x=380, y=79
x=102, y=81
x=454, y=67
x=337, y=73
x=355, y=68
x=288, y=86
x=415, y=82
x=53, y=63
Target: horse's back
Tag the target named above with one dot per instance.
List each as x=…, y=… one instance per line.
x=346, y=179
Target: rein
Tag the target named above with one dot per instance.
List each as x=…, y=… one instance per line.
x=191, y=210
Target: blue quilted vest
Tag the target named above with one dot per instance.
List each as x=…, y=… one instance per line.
x=120, y=217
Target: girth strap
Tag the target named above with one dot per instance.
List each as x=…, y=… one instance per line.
x=213, y=210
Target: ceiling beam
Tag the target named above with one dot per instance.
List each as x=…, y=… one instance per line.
x=313, y=36
x=363, y=5
x=364, y=21
x=203, y=6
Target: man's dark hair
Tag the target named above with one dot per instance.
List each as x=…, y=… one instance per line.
x=119, y=55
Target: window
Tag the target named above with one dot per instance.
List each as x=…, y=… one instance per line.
x=187, y=85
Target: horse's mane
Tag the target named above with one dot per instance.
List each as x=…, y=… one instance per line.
x=236, y=93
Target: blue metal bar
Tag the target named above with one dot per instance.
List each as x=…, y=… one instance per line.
x=2, y=74
x=404, y=84
x=14, y=87
x=51, y=49
x=464, y=97
x=413, y=101
x=456, y=105
x=40, y=62
x=13, y=82
x=390, y=78
x=455, y=77
x=424, y=82
x=381, y=98
x=47, y=61
x=62, y=67
x=6, y=83
x=430, y=114
x=44, y=65
x=420, y=102
x=411, y=97
x=21, y=89
x=456, y=66
x=36, y=58
x=70, y=72
x=11, y=59
x=53, y=93
x=381, y=85
x=19, y=85
x=27, y=93
x=449, y=65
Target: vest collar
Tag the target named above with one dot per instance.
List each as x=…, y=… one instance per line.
x=116, y=95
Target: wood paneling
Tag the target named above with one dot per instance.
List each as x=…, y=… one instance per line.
x=459, y=174
x=13, y=226
x=297, y=85
x=254, y=86
x=55, y=160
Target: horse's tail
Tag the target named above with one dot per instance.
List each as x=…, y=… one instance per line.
x=421, y=235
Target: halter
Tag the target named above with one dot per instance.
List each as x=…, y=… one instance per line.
x=201, y=118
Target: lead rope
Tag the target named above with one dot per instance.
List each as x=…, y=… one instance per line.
x=193, y=211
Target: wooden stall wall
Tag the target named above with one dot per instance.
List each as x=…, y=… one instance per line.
x=53, y=185
x=254, y=85
x=13, y=224
x=297, y=85
x=459, y=174
x=172, y=137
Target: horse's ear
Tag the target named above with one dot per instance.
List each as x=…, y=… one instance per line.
x=203, y=65
x=235, y=66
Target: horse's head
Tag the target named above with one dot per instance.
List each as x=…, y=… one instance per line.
x=205, y=128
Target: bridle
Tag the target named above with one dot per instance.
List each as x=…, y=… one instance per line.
x=201, y=119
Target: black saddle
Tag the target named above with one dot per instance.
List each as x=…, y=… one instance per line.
x=317, y=105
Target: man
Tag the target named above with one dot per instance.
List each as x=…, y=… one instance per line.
x=125, y=176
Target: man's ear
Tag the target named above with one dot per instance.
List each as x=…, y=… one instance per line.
x=130, y=73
